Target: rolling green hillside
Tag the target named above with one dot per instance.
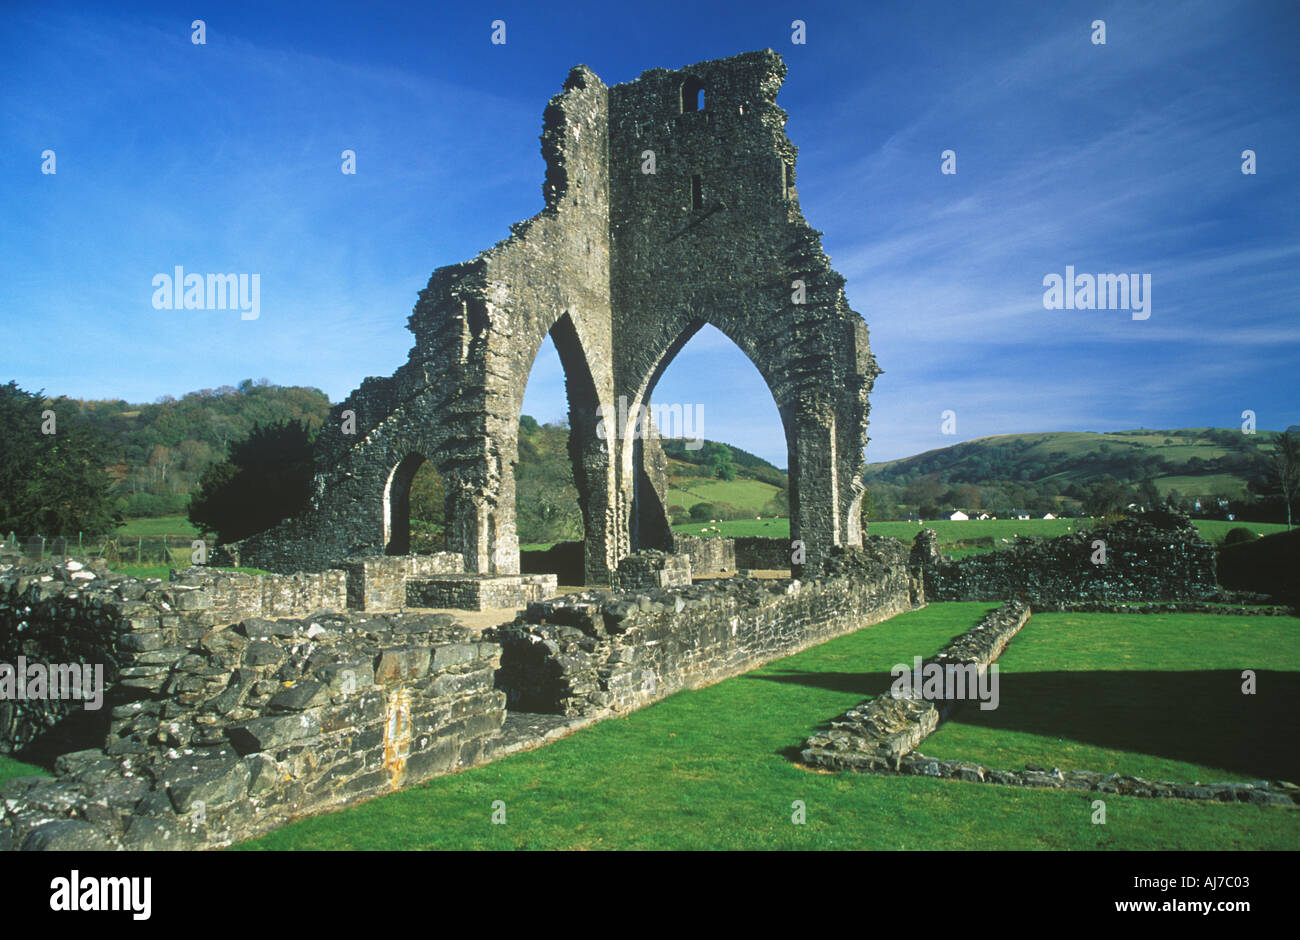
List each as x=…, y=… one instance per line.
x=1060, y=470
x=1215, y=456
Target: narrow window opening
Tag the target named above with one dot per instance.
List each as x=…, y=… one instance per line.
x=697, y=192
x=692, y=95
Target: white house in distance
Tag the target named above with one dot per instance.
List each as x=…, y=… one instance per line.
x=1049, y=516
x=955, y=516
x=1019, y=514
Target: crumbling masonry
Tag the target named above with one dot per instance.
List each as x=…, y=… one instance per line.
x=670, y=202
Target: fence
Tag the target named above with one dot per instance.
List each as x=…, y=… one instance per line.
x=173, y=550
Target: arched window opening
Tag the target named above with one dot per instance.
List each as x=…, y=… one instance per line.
x=725, y=446
x=692, y=95
x=548, y=516
x=415, y=512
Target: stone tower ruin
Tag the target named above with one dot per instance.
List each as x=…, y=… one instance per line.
x=621, y=268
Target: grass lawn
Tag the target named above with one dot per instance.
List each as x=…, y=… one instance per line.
x=712, y=769
x=1153, y=695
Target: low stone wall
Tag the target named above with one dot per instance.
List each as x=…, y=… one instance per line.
x=762, y=553
x=1172, y=607
x=708, y=556
x=605, y=651
x=236, y=594
x=216, y=729
x=76, y=611
x=1160, y=557
x=888, y=727
x=479, y=592
x=1259, y=792
x=265, y=720
x=66, y=611
x=651, y=569
x=378, y=582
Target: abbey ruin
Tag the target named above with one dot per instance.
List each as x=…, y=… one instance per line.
x=237, y=702
x=670, y=202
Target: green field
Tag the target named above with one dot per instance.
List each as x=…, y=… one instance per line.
x=714, y=768
x=732, y=528
x=1152, y=695
x=741, y=493
x=949, y=532
x=158, y=525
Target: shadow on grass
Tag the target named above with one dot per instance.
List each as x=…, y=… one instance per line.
x=863, y=684
x=1199, y=717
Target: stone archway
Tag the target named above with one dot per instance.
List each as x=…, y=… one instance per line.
x=620, y=267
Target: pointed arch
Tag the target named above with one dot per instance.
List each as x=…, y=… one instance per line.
x=648, y=523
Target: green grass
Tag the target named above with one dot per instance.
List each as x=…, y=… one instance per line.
x=742, y=493
x=1215, y=529
x=733, y=528
x=10, y=768
x=158, y=525
x=1153, y=695
x=712, y=769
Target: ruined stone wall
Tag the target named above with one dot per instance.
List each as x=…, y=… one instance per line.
x=266, y=720
x=887, y=727
x=379, y=582
x=585, y=653
x=478, y=592
x=217, y=729
x=478, y=326
x=708, y=556
x=1159, y=558
x=731, y=260
x=621, y=267
x=69, y=610
x=65, y=611
x=220, y=721
x=763, y=553
x=651, y=569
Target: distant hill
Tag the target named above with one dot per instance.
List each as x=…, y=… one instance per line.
x=162, y=448
x=1058, y=468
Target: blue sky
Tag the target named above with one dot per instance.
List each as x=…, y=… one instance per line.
x=1115, y=158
